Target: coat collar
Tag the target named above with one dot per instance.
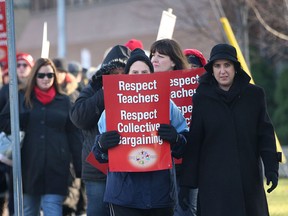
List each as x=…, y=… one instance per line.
x=208, y=84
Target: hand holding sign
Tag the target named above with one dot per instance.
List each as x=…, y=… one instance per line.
x=168, y=132
x=109, y=140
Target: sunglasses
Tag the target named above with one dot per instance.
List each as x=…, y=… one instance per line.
x=21, y=64
x=42, y=75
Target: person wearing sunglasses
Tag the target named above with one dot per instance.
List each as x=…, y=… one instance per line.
x=51, y=141
x=24, y=63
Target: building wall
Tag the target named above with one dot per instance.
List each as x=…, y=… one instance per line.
x=101, y=26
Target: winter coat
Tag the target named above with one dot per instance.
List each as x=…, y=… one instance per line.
x=145, y=190
x=228, y=134
x=4, y=96
x=50, y=142
x=85, y=114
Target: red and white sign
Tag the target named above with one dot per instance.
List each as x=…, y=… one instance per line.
x=135, y=106
x=3, y=33
x=183, y=85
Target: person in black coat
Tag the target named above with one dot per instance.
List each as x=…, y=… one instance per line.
x=24, y=64
x=230, y=133
x=51, y=140
x=85, y=114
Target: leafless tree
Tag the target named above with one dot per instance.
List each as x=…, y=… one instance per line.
x=265, y=21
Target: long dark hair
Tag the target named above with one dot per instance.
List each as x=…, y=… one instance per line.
x=172, y=49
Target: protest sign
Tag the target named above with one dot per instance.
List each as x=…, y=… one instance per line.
x=183, y=85
x=135, y=106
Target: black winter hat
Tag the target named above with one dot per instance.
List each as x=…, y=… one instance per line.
x=138, y=55
x=74, y=67
x=60, y=64
x=118, y=54
x=222, y=51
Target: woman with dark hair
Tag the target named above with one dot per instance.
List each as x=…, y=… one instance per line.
x=51, y=140
x=230, y=134
x=167, y=55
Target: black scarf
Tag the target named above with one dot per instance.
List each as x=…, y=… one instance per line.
x=230, y=96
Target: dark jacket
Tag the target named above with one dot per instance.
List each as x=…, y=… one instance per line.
x=85, y=114
x=229, y=132
x=4, y=96
x=146, y=190
x=50, y=142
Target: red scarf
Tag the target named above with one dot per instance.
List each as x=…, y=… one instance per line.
x=45, y=97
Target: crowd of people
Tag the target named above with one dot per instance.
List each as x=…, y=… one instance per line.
x=225, y=151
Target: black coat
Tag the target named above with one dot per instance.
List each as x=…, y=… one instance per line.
x=85, y=114
x=51, y=141
x=4, y=96
x=227, y=137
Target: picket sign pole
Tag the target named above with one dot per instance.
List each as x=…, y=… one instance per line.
x=45, y=43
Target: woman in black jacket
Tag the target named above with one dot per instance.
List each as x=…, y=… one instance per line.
x=85, y=114
x=51, y=141
x=230, y=133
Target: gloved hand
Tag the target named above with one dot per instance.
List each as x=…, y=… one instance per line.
x=183, y=198
x=108, y=140
x=96, y=81
x=271, y=177
x=168, y=132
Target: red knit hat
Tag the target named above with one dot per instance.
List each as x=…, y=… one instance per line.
x=196, y=53
x=133, y=44
x=26, y=57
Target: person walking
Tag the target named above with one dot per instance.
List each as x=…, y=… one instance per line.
x=167, y=55
x=85, y=114
x=50, y=142
x=24, y=63
x=141, y=193
x=230, y=133
x=195, y=58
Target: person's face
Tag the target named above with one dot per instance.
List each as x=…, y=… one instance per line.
x=139, y=67
x=193, y=66
x=23, y=69
x=44, y=83
x=224, y=73
x=61, y=77
x=119, y=70
x=161, y=63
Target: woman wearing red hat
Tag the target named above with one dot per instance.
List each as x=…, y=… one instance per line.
x=24, y=64
x=195, y=58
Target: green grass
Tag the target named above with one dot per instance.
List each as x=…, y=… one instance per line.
x=278, y=199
